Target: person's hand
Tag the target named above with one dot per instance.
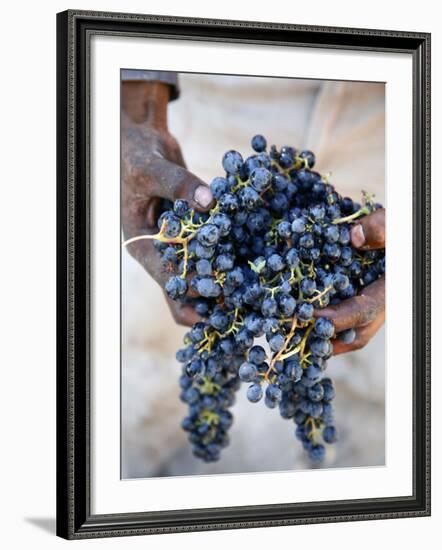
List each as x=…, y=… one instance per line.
x=153, y=169
x=365, y=313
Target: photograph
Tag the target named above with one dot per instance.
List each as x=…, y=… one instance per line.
x=236, y=348
x=252, y=273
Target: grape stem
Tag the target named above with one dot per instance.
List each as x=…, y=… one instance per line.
x=208, y=387
x=313, y=430
x=319, y=295
x=179, y=239
x=207, y=343
x=300, y=348
x=234, y=326
x=185, y=260
x=210, y=337
x=220, y=277
x=361, y=212
x=278, y=355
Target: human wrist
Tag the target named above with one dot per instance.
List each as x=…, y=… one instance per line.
x=145, y=103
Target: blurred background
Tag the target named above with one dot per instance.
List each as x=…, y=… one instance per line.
x=343, y=124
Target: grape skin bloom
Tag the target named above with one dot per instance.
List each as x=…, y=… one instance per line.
x=275, y=248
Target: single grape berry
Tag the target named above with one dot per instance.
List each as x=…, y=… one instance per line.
x=273, y=392
x=299, y=225
x=257, y=355
x=340, y=281
x=176, y=287
x=247, y=372
x=219, y=186
x=203, y=267
x=254, y=393
x=232, y=162
x=317, y=453
x=259, y=143
x=329, y=434
x=223, y=222
x=208, y=288
x=260, y=179
x=305, y=311
x=208, y=235
x=181, y=207
x=276, y=342
x=275, y=262
x=324, y=328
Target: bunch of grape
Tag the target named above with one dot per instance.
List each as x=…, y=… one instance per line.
x=273, y=251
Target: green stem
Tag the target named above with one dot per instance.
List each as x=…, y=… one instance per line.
x=320, y=294
x=361, y=212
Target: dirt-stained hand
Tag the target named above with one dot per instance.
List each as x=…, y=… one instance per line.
x=153, y=169
x=365, y=313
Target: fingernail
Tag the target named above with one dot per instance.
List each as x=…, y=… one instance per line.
x=357, y=236
x=203, y=196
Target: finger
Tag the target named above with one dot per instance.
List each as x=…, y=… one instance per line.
x=363, y=336
x=183, y=314
x=170, y=181
x=369, y=233
x=359, y=310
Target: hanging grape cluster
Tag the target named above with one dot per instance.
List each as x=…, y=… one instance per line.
x=273, y=251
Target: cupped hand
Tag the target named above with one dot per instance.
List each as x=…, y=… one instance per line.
x=365, y=313
x=153, y=169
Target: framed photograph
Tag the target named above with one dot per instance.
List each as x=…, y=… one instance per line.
x=237, y=346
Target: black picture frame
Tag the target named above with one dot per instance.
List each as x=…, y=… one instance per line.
x=74, y=518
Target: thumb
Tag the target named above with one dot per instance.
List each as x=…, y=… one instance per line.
x=369, y=232
x=171, y=181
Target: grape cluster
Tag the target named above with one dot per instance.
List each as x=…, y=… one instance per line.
x=273, y=251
